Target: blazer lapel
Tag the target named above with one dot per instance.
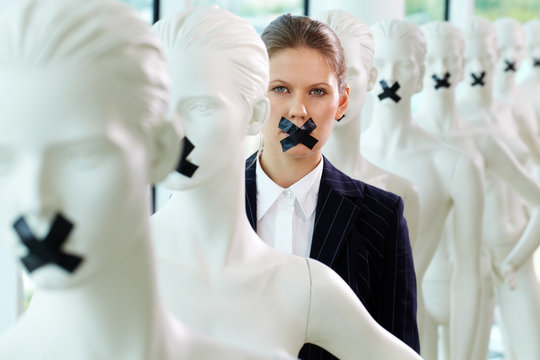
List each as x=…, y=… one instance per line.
x=251, y=191
x=334, y=216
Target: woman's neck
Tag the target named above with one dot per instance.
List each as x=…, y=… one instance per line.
x=343, y=147
x=117, y=308
x=285, y=170
x=212, y=219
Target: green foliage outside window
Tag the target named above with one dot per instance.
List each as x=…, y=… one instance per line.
x=521, y=10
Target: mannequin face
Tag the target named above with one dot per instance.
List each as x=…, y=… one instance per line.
x=212, y=113
x=510, y=52
x=396, y=62
x=358, y=79
x=478, y=57
x=64, y=150
x=302, y=86
x=442, y=57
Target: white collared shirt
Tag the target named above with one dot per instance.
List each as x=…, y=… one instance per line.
x=286, y=217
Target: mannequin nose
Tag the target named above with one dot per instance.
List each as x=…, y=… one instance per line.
x=297, y=109
x=37, y=197
x=475, y=66
x=387, y=73
x=439, y=68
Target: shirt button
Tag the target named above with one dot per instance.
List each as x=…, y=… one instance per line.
x=287, y=193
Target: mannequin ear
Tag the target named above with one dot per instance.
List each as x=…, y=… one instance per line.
x=372, y=78
x=260, y=112
x=343, y=103
x=420, y=80
x=166, y=147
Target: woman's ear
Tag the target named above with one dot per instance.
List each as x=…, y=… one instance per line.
x=343, y=103
x=372, y=78
x=166, y=147
x=260, y=112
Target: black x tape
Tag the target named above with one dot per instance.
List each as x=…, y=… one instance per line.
x=478, y=80
x=389, y=92
x=441, y=82
x=510, y=66
x=536, y=62
x=185, y=167
x=47, y=251
x=297, y=134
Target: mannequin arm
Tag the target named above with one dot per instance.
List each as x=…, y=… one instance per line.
x=468, y=197
x=339, y=323
x=524, y=118
x=411, y=211
x=502, y=163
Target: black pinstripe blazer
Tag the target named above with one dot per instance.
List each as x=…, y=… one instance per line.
x=360, y=232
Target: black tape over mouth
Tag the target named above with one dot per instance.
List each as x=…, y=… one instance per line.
x=297, y=135
x=478, y=80
x=186, y=167
x=536, y=62
x=47, y=250
x=441, y=82
x=510, y=66
x=389, y=92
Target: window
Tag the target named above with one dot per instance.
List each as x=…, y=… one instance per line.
x=422, y=11
x=258, y=13
x=145, y=8
x=520, y=10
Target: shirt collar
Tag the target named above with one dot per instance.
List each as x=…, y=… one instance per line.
x=305, y=190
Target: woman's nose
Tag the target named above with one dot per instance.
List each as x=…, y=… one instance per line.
x=297, y=109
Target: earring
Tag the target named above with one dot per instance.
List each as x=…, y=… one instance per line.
x=342, y=116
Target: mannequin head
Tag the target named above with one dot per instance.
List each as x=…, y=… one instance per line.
x=532, y=37
x=400, y=49
x=510, y=45
x=445, y=46
x=69, y=142
x=357, y=42
x=480, y=54
x=307, y=81
x=219, y=70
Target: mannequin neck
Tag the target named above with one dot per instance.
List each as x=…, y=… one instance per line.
x=439, y=113
x=477, y=97
x=118, y=307
x=390, y=122
x=504, y=85
x=343, y=147
x=214, y=217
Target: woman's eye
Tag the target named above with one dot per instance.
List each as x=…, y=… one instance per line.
x=280, y=89
x=318, y=92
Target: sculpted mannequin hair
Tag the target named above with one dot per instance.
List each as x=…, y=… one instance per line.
x=532, y=32
x=443, y=29
x=483, y=29
x=509, y=26
x=402, y=31
x=346, y=25
x=31, y=38
x=288, y=31
x=201, y=28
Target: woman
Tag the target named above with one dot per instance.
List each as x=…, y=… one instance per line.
x=214, y=272
x=299, y=203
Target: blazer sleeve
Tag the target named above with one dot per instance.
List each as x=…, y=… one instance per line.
x=399, y=289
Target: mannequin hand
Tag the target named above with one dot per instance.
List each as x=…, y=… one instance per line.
x=505, y=272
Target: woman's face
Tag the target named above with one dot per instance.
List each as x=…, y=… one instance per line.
x=302, y=86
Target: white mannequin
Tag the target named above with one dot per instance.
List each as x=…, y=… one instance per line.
x=438, y=115
x=511, y=240
x=343, y=146
x=219, y=94
x=528, y=76
x=70, y=145
x=510, y=46
x=446, y=179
